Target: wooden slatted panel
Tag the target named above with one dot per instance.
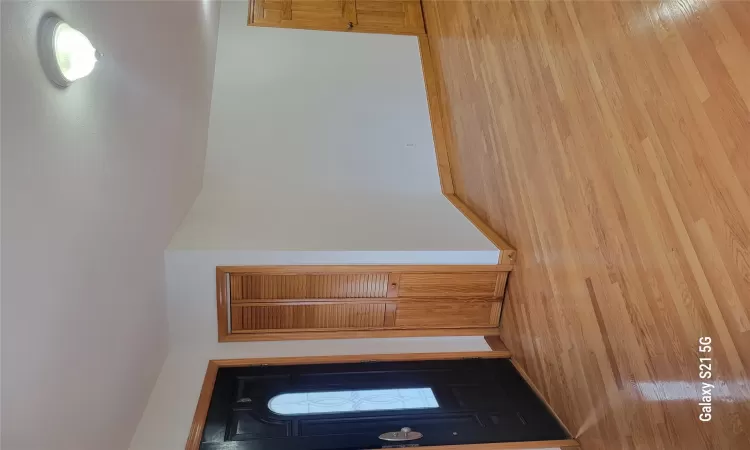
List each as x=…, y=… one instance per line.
x=365, y=285
x=390, y=16
x=479, y=284
x=446, y=314
x=266, y=287
x=307, y=316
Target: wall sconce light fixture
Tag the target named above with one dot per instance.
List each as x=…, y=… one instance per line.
x=66, y=53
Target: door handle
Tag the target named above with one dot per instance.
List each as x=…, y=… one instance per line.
x=406, y=434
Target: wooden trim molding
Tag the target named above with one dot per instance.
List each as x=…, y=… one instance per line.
x=561, y=443
x=335, y=359
x=435, y=105
x=204, y=399
x=538, y=393
x=508, y=252
x=360, y=268
x=495, y=343
x=222, y=303
x=441, y=134
x=201, y=409
x=356, y=334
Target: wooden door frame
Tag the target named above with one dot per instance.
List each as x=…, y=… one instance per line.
x=212, y=370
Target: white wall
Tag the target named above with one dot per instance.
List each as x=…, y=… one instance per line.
x=320, y=141
x=95, y=179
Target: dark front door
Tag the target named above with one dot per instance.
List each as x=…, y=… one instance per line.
x=350, y=406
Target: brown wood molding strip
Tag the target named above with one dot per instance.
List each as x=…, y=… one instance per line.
x=281, y=334
x=356, y=334
x=442, y=137
x=323, y=301
x=538, y=393
x=201, y=409
x=508, y=255
x=564, y=443
x=495, y=343
x=222, y=303
x=435, y=104
x=333, y=359
x=366, y=268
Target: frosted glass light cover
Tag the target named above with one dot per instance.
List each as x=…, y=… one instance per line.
x=75, y=55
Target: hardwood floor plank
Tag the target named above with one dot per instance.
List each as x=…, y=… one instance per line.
x=609, y=142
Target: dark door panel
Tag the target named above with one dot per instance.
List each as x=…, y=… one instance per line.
x=348, y=406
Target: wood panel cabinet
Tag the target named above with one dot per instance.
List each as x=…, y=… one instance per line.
x=390, y=16
x=336, y=15
x=367, y=16
x=280, y=302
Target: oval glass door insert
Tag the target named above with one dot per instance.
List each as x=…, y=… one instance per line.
x=297, y=403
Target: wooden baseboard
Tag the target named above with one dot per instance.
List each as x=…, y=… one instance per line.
x=441, y=134
x=508, y=252
x=561, y=443
x=435, y=104
x=538, y=393
x=495, y=343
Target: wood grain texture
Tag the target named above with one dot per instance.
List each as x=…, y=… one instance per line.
x=390, y=16
x=295, y=335
x=502, y=281
x=507, y=251
x=447, y=284
x=333, y=359
x=334, y=15
x=307, y=316
x=544, y=445
x=222, y=303
x=394, y=279
x=201, y=409
x=305, y=301
x=446, y=314
x=354, y=285
x=435, y=103
x=533, y=387
x=609, y=142
x=495, y=343
x=367, y=268
x=363, y=16
x=309, y=300
x=443, y=138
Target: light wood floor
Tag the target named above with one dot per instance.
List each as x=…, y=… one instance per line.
x=610, y=142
